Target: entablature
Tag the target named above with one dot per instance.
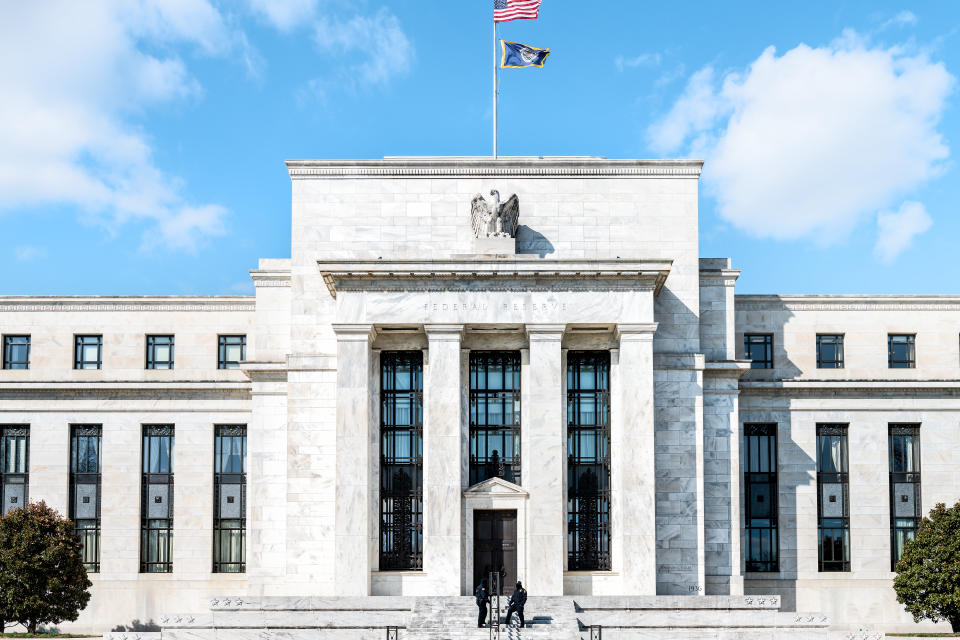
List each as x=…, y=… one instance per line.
x=513, y=274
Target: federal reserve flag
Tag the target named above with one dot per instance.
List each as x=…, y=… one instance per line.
x=518, y=56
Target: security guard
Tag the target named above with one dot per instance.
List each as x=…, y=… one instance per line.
x=517, y=600
x=482, y=597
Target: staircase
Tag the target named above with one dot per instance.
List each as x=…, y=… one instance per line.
x=455, y=618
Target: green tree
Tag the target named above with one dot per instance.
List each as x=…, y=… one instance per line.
x=928, y=573
x=42, y=577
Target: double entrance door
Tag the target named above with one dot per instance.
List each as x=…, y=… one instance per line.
x=495, y=548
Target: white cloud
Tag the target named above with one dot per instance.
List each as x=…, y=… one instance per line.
x=642, y=60
x=903, y=19
x=385, y=51
x=26, y=252
x=808, y=143
x=284, y=14
x=896, y=230
x=74, y=77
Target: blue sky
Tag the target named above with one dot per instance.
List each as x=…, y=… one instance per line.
x=142, y=142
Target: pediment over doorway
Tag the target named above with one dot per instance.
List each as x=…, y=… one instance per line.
x=495, y=487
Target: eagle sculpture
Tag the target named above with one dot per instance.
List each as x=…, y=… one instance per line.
x=498, y=220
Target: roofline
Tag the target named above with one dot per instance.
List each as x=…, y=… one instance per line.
x=486, y=166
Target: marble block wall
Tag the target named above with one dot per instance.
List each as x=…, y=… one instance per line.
x=867, y=396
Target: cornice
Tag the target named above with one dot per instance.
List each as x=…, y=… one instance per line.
x=116, y=390
x=847, y=303
x=851, y=388
x=532, y=167
x=270, y=277
x=507, y=274
x=126, y=303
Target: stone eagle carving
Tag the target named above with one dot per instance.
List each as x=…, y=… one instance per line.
x=498, y=220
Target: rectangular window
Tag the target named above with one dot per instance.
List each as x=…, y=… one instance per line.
x=588, y=460
x=16, y=352
x=85, y=470
x=761, y=493
x=758, y=348
x=233, y=351
x=829, y=351
x=905, y=505
x=159, y=352
x=833, y=494
x=88, y=352
x=14, y=466
x=494, y=416
x=401, y=460
x=901, y=351
x=156, y=510
x=230, y=499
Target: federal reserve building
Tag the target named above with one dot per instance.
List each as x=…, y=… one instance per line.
x=472, y=367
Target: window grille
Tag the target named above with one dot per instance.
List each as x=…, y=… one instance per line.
x=901, y=351
x=232, y=351
x=16, y=352
x=494, y=416
x=761, y=495
x=829, y=351
x=88, y=352
x=833, y=497
x=401, y=460
x=159, y=352
x=905, y=505
x=156, y=511
x=14, y=466
x=758, y=348
x=230, y=499
x=85, y=483
x=588, y=462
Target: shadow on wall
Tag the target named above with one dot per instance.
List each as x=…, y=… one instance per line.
x=795, y=467
x=530, y=241
x=136, y=625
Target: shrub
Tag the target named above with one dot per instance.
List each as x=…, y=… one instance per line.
x=928, y=573
x=42, y=578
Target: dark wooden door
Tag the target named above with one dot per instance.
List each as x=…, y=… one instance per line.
x=495, y=547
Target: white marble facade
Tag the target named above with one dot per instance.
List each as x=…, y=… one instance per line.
x=383, y=258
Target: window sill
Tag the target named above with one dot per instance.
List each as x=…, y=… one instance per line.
x=397, y=572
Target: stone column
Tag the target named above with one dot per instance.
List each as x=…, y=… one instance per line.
x=442, y=558
x=352, y=550
x=632, y=441
x=543, y=447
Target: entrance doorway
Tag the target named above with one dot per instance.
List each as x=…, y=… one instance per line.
x=495, y=547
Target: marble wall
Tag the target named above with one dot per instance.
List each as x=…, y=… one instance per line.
x=122, y=397
x=867, y=396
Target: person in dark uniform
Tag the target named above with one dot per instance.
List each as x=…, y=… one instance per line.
x=517, y=600
x=482, y=598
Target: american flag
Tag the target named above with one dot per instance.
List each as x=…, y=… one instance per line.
x=504, y=10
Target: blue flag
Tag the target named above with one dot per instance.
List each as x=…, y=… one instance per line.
x=518, y=56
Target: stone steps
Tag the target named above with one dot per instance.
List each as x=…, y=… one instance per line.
x=455, y=618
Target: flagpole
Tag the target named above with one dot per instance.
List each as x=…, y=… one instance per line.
x=495, y=79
